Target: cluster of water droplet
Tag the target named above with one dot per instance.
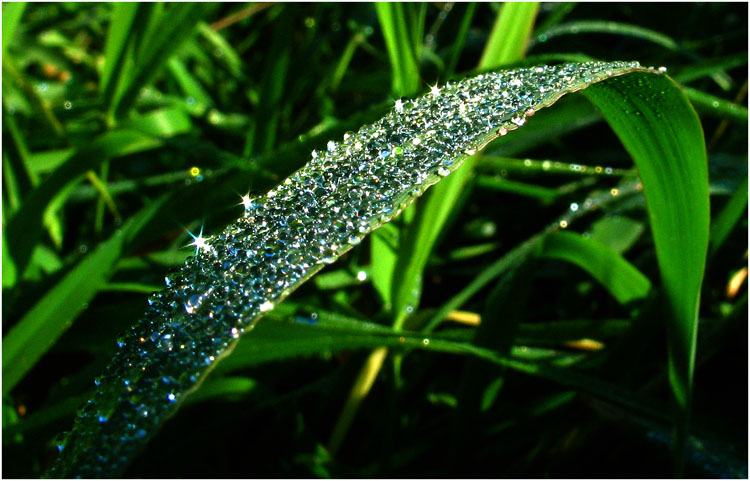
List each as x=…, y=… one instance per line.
x=284, y=237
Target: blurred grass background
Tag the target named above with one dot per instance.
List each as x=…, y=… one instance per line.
x=125, y=125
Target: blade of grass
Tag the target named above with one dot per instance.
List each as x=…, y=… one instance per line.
x=116, y=55
x=518, y=254
x=24, y=228
x=626, y=283
x=261, y=137
x=727, y=218
x=12, y=12
x=618, y=232
x=207, y=273
x=629, y=30
x=510, y=34
x=37, y=331
x=663, y=135
x=190, y=86
x=458, y=44
x=399, y=41
x=168, y=32
x=717, y=107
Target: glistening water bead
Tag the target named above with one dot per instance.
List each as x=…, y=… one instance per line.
x=284, y=237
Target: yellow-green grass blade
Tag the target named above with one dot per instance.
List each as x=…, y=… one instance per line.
x=399, y=42
x=510, y=34
x=662, y=133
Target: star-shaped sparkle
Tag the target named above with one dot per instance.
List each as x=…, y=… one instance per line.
x=199, y=242
x=247, y=202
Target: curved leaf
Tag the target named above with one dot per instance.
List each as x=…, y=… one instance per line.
x=286, y=236
x=658, y=127
x=620, y=277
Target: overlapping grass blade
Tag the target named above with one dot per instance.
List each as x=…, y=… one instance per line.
x=44, y=323
x=24, y=228
x=165, y=33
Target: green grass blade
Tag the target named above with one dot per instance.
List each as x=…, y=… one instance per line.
x=12, y=12
x=510, y=34
x=228, y=55
x=629, y=30
x=626, y=283
x=190, y=86
x=717, y=107
x=663, y=135
x=24, y=228
x=513, y=26
x=38, y=330
x=614, y=28
x=458, y=44
x=399, y=40
x=727, y=218
x=116, y=53
x=169, y=32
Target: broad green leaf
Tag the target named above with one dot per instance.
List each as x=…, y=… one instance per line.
x=38, y=330
x=663, y=135
x=289, y=234
x=617, y=275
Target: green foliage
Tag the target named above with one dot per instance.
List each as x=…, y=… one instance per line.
x=124, y=125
